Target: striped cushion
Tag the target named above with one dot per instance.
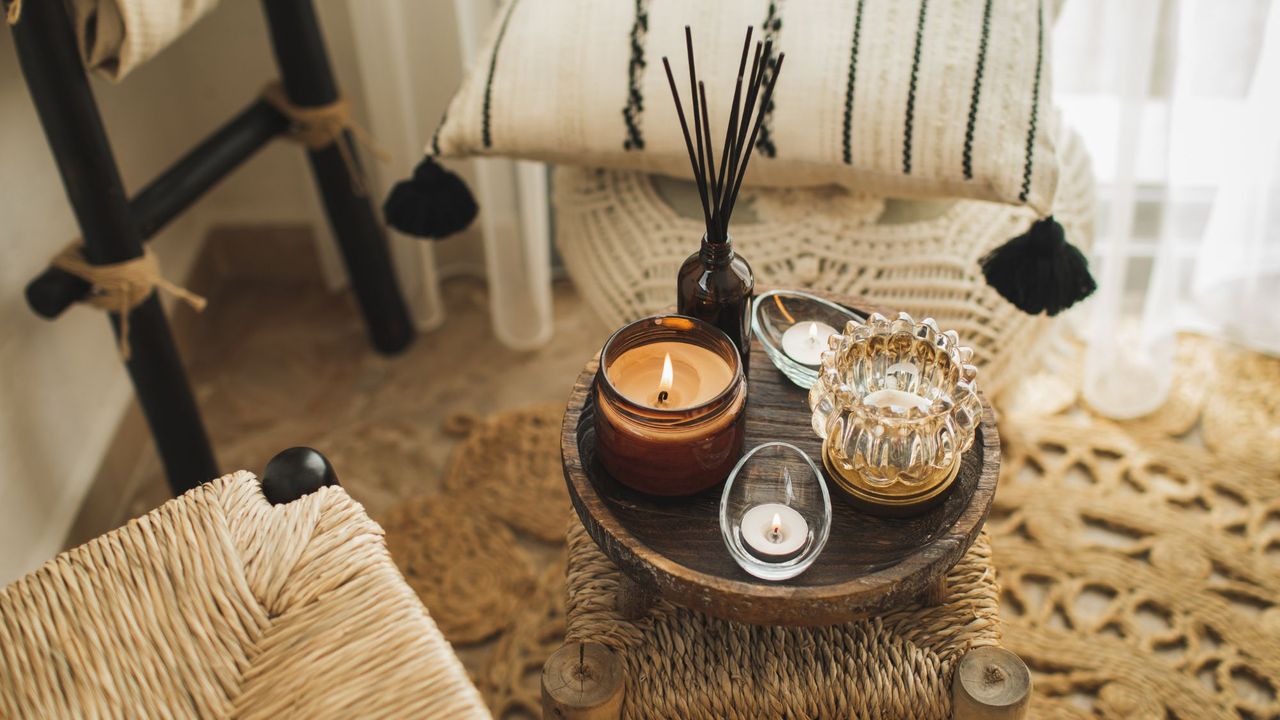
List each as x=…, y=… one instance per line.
x=912, y=98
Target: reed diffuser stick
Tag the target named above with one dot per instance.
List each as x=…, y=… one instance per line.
x=755, y=131
x=753, y=87
x=718, y=190
x=731, y=131
x=688, y=143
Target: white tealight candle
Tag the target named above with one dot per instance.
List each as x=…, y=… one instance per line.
x=774, y=532
x=898, y=401
x=805, y=341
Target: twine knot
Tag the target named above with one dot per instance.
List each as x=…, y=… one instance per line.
x=121, y=287
x=319, y=126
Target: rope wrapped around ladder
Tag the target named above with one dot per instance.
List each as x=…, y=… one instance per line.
x=319, y=126
x=121, y=287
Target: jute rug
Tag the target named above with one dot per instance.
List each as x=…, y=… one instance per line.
x=1139, y=561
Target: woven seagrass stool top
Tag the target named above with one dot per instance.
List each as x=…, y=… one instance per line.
x=680, y=663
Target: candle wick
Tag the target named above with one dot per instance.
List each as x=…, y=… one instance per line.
x=662, y=397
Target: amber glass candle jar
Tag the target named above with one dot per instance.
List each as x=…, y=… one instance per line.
x=669, y=397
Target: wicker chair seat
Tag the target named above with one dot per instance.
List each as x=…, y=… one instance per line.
x=218, y=604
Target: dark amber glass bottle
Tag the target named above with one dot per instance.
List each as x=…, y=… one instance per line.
x=716, y=285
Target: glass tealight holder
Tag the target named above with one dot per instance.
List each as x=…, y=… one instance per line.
x=678, y=441
x=775, y=512
x=787, y=320
x=896, y=404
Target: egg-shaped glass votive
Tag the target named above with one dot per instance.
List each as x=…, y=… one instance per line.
x=794, y=328
x=670, y=397
x=896, y=403
x=775, y=512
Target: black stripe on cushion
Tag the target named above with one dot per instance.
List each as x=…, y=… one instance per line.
x=967, y=159
x=911, y=93
x=1035, y=103
x=635, y=77
x=771, y=28
x=849, y=84
x=485, y=134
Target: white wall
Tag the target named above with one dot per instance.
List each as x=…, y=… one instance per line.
x=62, y=389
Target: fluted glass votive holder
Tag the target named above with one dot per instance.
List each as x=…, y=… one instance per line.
x=794, y=327
x=775, y=512
x=897, y=406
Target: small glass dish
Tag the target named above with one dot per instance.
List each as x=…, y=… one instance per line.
x=775, y=512
x=897, y=405
x=776, y=312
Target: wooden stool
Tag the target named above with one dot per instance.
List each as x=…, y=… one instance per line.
x=624, y=659
x=877, y=626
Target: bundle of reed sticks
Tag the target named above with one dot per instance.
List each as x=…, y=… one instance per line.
x=719, y=191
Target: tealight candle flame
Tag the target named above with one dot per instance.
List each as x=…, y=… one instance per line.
x=775, y=528
x=813, y=333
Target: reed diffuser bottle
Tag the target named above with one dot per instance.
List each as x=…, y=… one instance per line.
x=716, y=284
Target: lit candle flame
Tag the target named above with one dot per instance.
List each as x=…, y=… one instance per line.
x=668, y=376
x=775, y=528
x=813, y=333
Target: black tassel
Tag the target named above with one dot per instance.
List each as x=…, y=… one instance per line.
x=434, y=203
x=1039, y=271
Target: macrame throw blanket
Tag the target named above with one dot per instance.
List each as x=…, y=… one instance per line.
x=623, y=240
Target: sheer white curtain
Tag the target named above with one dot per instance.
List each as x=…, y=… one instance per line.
x=1178, y=101
x=411, y=56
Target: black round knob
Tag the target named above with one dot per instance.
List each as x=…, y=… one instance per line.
x=296, y=472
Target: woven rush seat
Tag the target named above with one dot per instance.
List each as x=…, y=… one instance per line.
x=220, y=604
x=623, y=236
x=682, y=664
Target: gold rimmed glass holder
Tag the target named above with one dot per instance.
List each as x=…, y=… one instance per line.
x=896, y=404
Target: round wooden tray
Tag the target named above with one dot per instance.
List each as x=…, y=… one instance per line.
x=673, y=547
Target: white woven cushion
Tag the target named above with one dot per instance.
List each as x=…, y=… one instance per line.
x=904, y=98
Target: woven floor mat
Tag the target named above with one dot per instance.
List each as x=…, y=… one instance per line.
x=509, y=465
x=1140, y=561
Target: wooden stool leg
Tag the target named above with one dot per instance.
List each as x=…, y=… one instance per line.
x=990, y=683
x=582, y=681
x=308, y=81
x=633, y=601
x=55, y=76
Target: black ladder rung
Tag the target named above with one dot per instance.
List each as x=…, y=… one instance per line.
x=54, y=290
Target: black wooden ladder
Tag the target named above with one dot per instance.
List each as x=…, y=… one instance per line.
x=115, y=226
